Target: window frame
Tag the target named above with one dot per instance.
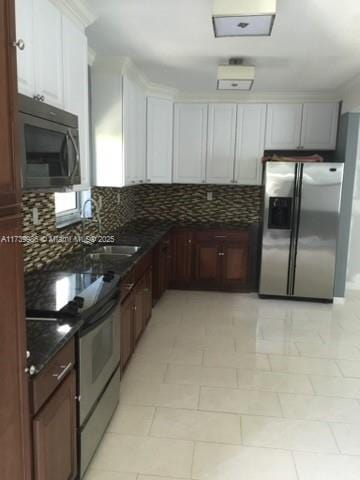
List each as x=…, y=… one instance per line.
x=69, y=217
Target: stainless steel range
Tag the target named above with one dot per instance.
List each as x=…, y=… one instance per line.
x=95, y=301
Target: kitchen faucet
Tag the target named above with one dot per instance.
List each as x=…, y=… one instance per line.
x=96, y=205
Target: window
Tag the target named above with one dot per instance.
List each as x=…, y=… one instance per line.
x=67, y=208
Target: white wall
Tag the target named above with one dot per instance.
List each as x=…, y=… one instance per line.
x=350, y=95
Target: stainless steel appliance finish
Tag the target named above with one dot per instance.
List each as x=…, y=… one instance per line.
x=49, y=143
x=302, y=204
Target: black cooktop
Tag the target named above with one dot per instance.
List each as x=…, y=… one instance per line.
x=65, y=294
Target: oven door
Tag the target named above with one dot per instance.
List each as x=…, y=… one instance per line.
x=99, y=355
x=50, y=154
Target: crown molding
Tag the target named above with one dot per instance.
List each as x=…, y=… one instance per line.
x=78, y=10
x=260, y=97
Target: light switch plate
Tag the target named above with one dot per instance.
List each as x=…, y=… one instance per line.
x=209, y=195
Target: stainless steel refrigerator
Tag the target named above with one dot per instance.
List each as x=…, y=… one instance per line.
x=301, y=216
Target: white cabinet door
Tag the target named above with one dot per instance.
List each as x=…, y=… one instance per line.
x=140, y=134
x=48, y=52
x=25, y=58
x=250, y=141
x=76, y=89
x=283, y=127
x=159, y=140
x=319, y=126
x=190, y=130
x=130, y=137
x=221, y=143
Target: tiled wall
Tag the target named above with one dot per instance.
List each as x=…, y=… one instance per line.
x=181, y=203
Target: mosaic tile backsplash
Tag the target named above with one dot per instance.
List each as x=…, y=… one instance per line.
x=179, y=203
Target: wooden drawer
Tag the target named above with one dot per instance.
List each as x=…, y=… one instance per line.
x=51, y=377
x=221, y=235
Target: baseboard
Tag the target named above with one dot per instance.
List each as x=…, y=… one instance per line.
x=339, y=300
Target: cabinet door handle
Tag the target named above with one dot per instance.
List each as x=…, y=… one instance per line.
x=221, y=254
x=20, y=44
x=220, y=236
x=64, y=371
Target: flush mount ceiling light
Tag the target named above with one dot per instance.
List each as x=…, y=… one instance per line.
x=235, y=76
x=243, y=18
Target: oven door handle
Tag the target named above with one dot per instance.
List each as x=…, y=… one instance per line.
x=77, y=155
x=100, y=316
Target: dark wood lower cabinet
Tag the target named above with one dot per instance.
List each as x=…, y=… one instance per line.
x=127, y=331
x=54, y=435
x=215, y=260
x=135, y=314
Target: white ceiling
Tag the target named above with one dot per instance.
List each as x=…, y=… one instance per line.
x=315, y=44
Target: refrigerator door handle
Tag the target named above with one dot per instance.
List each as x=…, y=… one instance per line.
x=295, y=228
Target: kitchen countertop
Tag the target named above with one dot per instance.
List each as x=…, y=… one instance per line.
x=45, y=339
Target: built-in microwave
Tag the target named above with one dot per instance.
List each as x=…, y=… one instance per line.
x=49, y=146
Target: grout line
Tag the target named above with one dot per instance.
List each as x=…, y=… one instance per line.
x=152, y=420
x=312, y=385
x=192, y=458
x=295, y=466
x=334, y=437
x=280, y=404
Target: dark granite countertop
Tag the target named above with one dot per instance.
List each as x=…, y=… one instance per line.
x=45, y=339
x=141, y=234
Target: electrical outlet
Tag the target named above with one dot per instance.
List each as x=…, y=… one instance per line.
x=35, y=216
x=209, y=196
x=100, y=202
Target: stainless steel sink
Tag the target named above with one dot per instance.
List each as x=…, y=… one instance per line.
x=128, y=250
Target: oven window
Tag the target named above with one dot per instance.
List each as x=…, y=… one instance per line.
x=47, y=153
x=102, y=349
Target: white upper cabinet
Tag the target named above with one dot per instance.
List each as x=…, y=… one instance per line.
x=319, y=126
x=283, y=128
x=140, y=134
x=221, y=143
x=190, y=132
x=250, y=139
x=76, y=89
x=25, y=57
x=48, y=50
x=159, y=140
x=130, y=115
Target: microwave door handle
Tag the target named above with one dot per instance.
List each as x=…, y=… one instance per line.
x=76, y=153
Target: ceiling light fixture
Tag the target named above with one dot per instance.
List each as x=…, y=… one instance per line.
x=235, y=76
x=233, y=18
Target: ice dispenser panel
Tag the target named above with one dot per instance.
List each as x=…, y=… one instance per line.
x=280, y=213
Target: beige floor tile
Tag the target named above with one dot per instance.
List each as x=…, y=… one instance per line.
x=177, y=355
x=305, y=365
x=151, y=477
x=196, y=425
x=205, y=342
x=192, y=375
x=139, y=370
x=275, y=382
x=347, y=437
x=246, y=361
x=103, y=475
x=160, y=394
x=300, y=435
x=349, y=368
x=147, y=455
x=327, y=467
x=132, y=420
x=336, y=387
x=325, y=409
x=329, y=350
x=266, y=346
x=250, y=402
x=224, y=462
x=290, y=335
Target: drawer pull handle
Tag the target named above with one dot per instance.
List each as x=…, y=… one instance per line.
x=220, y=236
x=65, y=369
x=221, y=254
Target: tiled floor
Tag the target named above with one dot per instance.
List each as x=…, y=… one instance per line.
x=230, y=387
